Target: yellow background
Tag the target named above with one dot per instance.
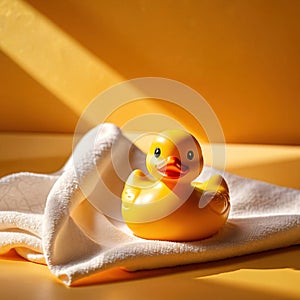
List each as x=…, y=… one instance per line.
x=242, y=56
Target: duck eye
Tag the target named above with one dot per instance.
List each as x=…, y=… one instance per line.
x=157, y=152
x=190, y=155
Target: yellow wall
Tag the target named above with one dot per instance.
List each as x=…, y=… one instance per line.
x=242, y=56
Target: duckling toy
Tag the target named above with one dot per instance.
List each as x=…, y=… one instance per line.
x=167, y=204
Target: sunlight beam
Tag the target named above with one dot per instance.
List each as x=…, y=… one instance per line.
x=52, y=57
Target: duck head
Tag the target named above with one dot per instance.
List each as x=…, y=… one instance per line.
x=174, y=157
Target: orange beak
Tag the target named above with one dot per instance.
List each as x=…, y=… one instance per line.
x=172, y=168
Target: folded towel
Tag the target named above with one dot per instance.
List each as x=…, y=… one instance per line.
x=71, y=220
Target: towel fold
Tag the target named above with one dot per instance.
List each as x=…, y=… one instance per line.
x=71, y=220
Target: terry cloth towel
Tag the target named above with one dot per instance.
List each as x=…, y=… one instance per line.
x=71, y=220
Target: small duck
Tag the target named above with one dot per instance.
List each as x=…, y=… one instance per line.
x=167, y=204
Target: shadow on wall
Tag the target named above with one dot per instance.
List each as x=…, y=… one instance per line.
x=241, y=56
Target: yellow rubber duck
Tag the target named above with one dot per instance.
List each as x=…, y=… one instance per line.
x=167, y=204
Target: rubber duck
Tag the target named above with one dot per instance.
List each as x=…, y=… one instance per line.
x=168, y=204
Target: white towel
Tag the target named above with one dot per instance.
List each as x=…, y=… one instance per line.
x=71, y=220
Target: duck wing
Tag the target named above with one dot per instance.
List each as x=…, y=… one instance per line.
x=136, y=182
x=213, y=192
x=138, y=179
x=214, y=184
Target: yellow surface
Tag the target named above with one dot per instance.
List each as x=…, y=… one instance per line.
x=270, y=275
x=242, y=56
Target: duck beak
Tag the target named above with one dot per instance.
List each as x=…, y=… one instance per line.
x=172, y=168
